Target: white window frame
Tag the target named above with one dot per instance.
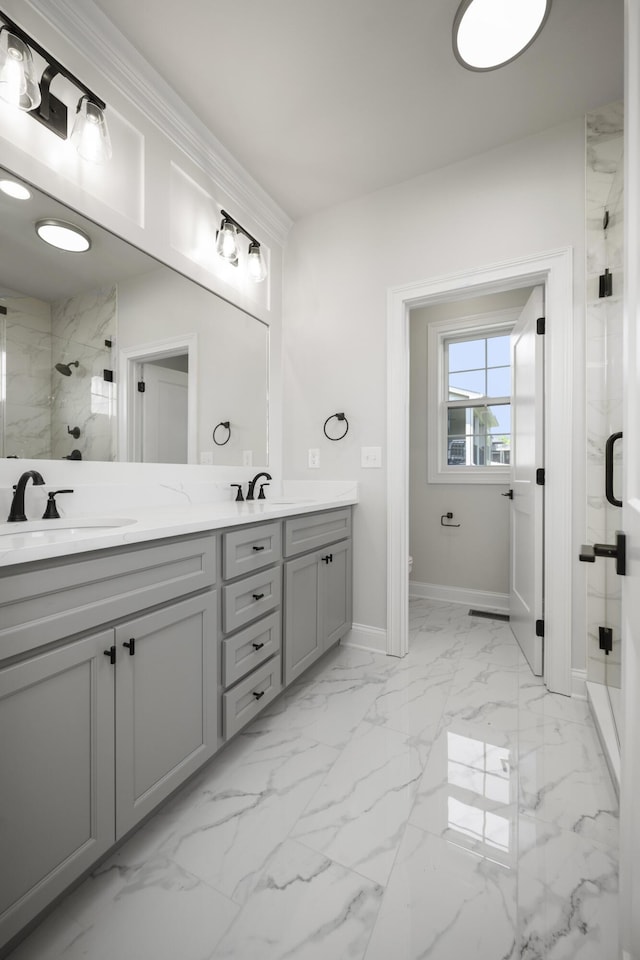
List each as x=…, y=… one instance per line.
x=476, y=325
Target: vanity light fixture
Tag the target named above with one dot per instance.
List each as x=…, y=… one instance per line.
x=63, y=235
x=15, y=190
x=19, y=86
x=227, y=247
x=488, y=34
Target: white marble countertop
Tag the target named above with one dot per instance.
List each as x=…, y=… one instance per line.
x=32, y=540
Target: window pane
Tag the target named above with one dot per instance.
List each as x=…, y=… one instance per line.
x=500, y=418
x=498, y=351
x=479, y=436
x=467, y=355
x=470, y=384
x=499, y=382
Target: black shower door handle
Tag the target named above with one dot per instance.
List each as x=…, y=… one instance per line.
x=608, y=469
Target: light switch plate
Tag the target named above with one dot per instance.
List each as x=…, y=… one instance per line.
x=314, y=457
x=370, y=457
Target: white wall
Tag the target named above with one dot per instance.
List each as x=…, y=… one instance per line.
x=475, y=555
x=520, y=200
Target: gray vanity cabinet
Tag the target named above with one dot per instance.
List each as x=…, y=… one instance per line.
x=317, y=590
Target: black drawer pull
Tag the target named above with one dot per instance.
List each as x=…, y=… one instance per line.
x=257, y=596
x=257, y=646
x=258, y=695
x=328, y=558
x=131, y=644
x=257, y=549
x=111, y=653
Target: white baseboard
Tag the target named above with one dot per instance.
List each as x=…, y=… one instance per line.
x=601, y=710
x=366, y=638
x=579, y=684
x=479, y=599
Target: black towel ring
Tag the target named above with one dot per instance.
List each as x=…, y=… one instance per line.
x=227, y=426
x=338, y=416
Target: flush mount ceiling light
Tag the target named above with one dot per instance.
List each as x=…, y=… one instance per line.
x=19, y=86
x=14, y=189
x=65, y=236
x=227, y=247
x=488, y=34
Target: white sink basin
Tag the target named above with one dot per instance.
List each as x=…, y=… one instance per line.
x=286, y=501
x=33, y=533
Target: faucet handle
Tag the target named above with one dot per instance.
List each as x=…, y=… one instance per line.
x=51, y=513
x=261, y=495
x=239, y=496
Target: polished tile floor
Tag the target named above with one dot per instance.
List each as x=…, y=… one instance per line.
x=443, y=806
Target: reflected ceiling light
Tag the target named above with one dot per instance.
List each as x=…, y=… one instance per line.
x=491, y=33
x=15, y=190
x=65, y=236
x=227, y=247
x=19, y=87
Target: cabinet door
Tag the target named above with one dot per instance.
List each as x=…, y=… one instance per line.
x=166, y=703
x=335, y=593
x=56, y=767
x=302, y=639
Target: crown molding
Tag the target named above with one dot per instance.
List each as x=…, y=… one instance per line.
x=96, y=38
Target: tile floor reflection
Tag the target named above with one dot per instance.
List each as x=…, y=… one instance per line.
x=442, y=806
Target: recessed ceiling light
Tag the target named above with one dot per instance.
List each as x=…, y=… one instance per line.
x=14, y=189
x=490, y=33
x=63, y=235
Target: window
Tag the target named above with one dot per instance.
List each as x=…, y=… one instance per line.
x=470, y=399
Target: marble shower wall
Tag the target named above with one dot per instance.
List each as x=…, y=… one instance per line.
x=79, y=328
x=26, y=422
x=604, y=246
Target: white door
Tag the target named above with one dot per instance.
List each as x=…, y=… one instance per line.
x=527, y=451
x=164, y=422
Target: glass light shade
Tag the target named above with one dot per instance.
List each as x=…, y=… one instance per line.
x=15, y=190
x=490, y=33
x=227, y=242
x=256, y=266
x=64, y=236
x=90, y=134
x=18, y=78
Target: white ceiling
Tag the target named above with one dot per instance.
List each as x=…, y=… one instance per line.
x=327, y=100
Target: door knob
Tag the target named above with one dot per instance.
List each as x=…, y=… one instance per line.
x=509, y=494
x=615, y=551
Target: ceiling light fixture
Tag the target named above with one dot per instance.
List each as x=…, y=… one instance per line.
x=227, y=247
x=63, y=235
x=488, y=34
x=19, y=87
x=14, y=189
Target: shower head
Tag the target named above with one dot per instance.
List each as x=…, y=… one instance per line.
x=65, y=368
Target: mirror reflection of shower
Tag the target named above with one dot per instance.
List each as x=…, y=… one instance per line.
x=65, y=368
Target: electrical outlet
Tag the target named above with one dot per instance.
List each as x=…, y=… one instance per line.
x=206, y=458
x=247, y=458
x=314, y=457
x=370, y=457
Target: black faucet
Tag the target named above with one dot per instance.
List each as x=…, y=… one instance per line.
x=17, y=504
x=252, y=485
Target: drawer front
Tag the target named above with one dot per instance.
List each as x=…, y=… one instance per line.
x=50, y=601
x=248, y=698
x=245, y=651
x=244, y=551
x=314, y=530
x=250, y=598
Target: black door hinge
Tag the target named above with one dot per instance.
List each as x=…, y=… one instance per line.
x=539, y=628
x=540, y=476
x=141, y=386
x=541, y=325
x=107, y=376
x=605, y=638
x=605, y=284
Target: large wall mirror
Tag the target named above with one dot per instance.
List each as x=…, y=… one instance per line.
x=108, y=354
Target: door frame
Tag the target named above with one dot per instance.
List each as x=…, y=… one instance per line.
x=129, y=360
x=554, y=270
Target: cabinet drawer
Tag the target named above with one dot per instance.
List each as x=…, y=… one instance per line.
x=50, y=601
x=244, y=551
x=250, y=598
x=247, y=699
x=246, y=650
x=313, y=530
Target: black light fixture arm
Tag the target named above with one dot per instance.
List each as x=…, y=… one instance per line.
x=238, y=226
x=54, y=67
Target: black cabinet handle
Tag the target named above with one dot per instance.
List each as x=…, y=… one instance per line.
x=111, y=653
x=608, y=469
x=258, y=695
x=257, y=596
x=258, y=549
x=257, y=646
x=328, y=558
x=131, y=644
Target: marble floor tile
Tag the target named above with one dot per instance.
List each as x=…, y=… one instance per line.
x=412, y=700
x=303, y=907
x=358, y=815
